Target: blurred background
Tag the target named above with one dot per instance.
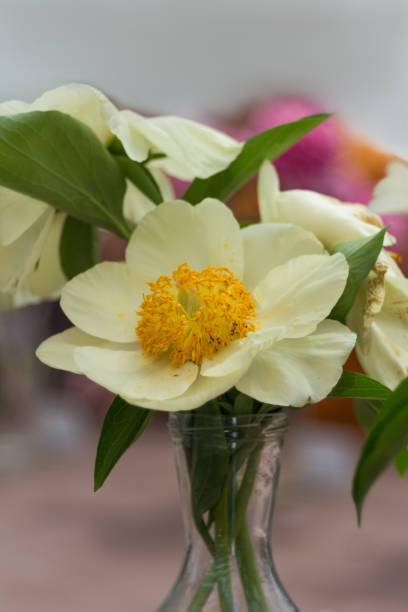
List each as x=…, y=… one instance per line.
x=241, y=66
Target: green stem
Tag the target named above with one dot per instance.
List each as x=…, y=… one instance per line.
x=204, y=590
x=249, y=572
x=246, y=487
x=222, y=552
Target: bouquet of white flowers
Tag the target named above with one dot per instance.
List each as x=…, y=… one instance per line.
x=224, y=326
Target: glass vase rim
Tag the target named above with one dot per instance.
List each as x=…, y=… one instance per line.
x=272, y=422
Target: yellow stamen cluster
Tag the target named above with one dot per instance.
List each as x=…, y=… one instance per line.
x=191, y=315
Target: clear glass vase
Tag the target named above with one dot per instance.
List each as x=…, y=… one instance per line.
x=228, y=469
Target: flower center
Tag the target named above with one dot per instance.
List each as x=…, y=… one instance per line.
x=191, y=315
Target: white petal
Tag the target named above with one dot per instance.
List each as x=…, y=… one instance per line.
x=48, y=278
x=79, y=101
x=240, y=353
x=19, y=258
x=135, y=204
x=17, y=213
x=382, y=342
x=165, y=185
x=268, y=191
x=383, y=350
x=299, y=371
x=391, y=193
x=176, y=232
x=330, y=220
x=201, y=391
x=301, y=293
x=103, y=301
x=268, y=245
x=133, y=374
x=13, y=107
x=191, y=149
x=58, y=350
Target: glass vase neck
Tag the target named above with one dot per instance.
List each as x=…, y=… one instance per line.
x=228, y=469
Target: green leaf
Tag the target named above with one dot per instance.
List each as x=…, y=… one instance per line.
x=366, y=412
x=54, y=158
x=243, y=405
x=266, y=145
x=122, y=426
x=353, y=384
x=209, y=460
x=387, y=439
x=79, y=246
x=361, y=255
x=141, y=177
x=401, y=462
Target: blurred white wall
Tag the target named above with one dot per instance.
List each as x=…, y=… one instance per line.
x=198, y=57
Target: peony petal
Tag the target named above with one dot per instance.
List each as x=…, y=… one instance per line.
x=201, y=391
x=13, y=107
x=268, y=245
x=391, y=193
x=191, y=149
x=81, y=102
x=301, y=293
x=330, y=220
x=240, y=353
x=17, y=213
x=19, y=258
x=58, y=350
x=299, y=371
x=48, y=278
x=382, y=340
x=136, y=204
x=176, y=232
x=104, y=300
x=130, y=373
x=383, y=350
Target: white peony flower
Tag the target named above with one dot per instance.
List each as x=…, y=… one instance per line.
x=391, y=193
x=380, y=312
x=200, y=306
x=30, y=230
x=331, y=220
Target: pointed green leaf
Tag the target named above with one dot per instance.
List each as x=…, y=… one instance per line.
x=209, y=459
x=79, y=246
x=56, y=159
x=401, y=462
x=354, y=384
x=361, y=255
x=386, y=440
x=122, y=426
x=141, y=177
x=266, y=145
x=366, y=412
